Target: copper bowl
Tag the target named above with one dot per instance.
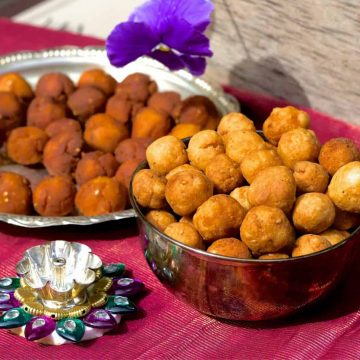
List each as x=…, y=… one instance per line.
x=239, y=289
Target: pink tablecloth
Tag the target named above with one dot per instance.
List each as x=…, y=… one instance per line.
x=167, y=328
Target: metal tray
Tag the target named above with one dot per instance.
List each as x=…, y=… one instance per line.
x=73, y=61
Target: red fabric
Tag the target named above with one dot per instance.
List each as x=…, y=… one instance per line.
x=167, y=328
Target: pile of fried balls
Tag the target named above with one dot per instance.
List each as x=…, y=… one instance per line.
x=236, y=193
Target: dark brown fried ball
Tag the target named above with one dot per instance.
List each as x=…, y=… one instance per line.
x=120, y=108
x=150, y=123
x=125, y=171
x=240, y=194
x=266, y=229
x=54, y=196
x=98, y=78
x=62, y=153
x=219, y=217
x=310, y=177
x=308, y=244
x=62, y=125
x=345, y=220
x=337, y=152
x=233, y=122
x=224, y=173
x=56, y=85
x=132, y=149
x=161, y=219
x=44, y=110
x=230, y=247
x=104, y=133
x=335, y=236
x=185, y=234
x=101, y=195
x=164, y=101
x=17, y=85
x=184, y=130
x=15, y=194
x=85, y=102
x=94, y=164
x=25, y=145
x=273, y=256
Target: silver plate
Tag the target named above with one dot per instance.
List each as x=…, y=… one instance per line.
x=73, y=61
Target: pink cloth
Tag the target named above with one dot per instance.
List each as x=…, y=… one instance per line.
x=166, y=328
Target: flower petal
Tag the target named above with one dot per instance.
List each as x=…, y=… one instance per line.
x=128, y=41
x=196, y=65
x=168, y=58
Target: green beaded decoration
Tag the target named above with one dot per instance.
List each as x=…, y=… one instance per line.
x=14, y=318
x=113, y=270
x=70, y=329
x=9, y=284
x=120, y=305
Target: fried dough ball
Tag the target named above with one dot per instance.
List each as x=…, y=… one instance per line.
x=187, y=220
x=25, y=145
x=240, y=194
x=61, y=153
x=137, y=87
x=44, y=110
x=164, y=101
x=266, y=229
x=104, y=133
x=94, y=164
x=98, y=78
x=182, y=131
x=203, y=147
x=344, y=188
x=282, y=120
x=54, y=196
x=233, y=122
x=218, y=217
x=125, y=171
x=85, y=102
x=298, y=145
x=15, y=194
x=187, y=190
x=62, y=125
x=120, y=108
x=259, y=160
x=149, y=189
x=198, y=110
x=273, y=256
x=101, y=195
x=132, y=149
x=17, y=85
x=308, y=244
x=337, y=152
x=313, y=213
x=345, y=220
x=335, y=236
x=273, y=186
x=185, y=234
x=55, y=85
x=240, y=143
x=310, y=177
x=224, y=173
x=150, y=123
x=230, y=247
x=165, y=154
x=180, y=168
x=161, y=219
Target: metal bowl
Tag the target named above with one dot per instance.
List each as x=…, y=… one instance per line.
x=239, y=289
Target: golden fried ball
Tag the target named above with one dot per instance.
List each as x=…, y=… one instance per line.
x=224, y=173
x=149, y=189
x=345, y=220
x=17, y=85
x=266, y=229
x=186, y=219
x=54, y=196
x=240, y=194
x=184, y=130
x=98, y=78
x=180, y=168
x=240, y=143
x=164, y=101
x=308, y=244
x=219, y=217
x=101, y=195
x=310, y=177
x=233, y=122
x=161, y=219
x=230, y=247
x=132, y=149
x=185, y=234
x=298, y=145
x=104, y=133
x=203, y=147
x=337, y=152
x=273, y=186
x=259, y=160
x=187, y=190
x=15, y=194
x=335, y=236
x=344, y=188
x=165, y=154
x=282, y=120
x=273, y=256
x=313, y=213
x=25, y=145
x=62, y=125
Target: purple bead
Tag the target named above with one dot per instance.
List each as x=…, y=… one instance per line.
x=7, y=301
x=100, y=318
x=127, y=286
x=39, y=327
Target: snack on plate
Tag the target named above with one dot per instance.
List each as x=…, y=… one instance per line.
x=99, y=79
x=14, y=83
x=11, y=113
x=184, y=130
x=125, y=171
x=165, y=101
x=120, y=108
x=62, y=125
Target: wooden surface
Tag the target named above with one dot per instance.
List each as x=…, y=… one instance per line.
x=305, y=51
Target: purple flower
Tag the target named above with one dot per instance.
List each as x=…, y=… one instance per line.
x=170, y=31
